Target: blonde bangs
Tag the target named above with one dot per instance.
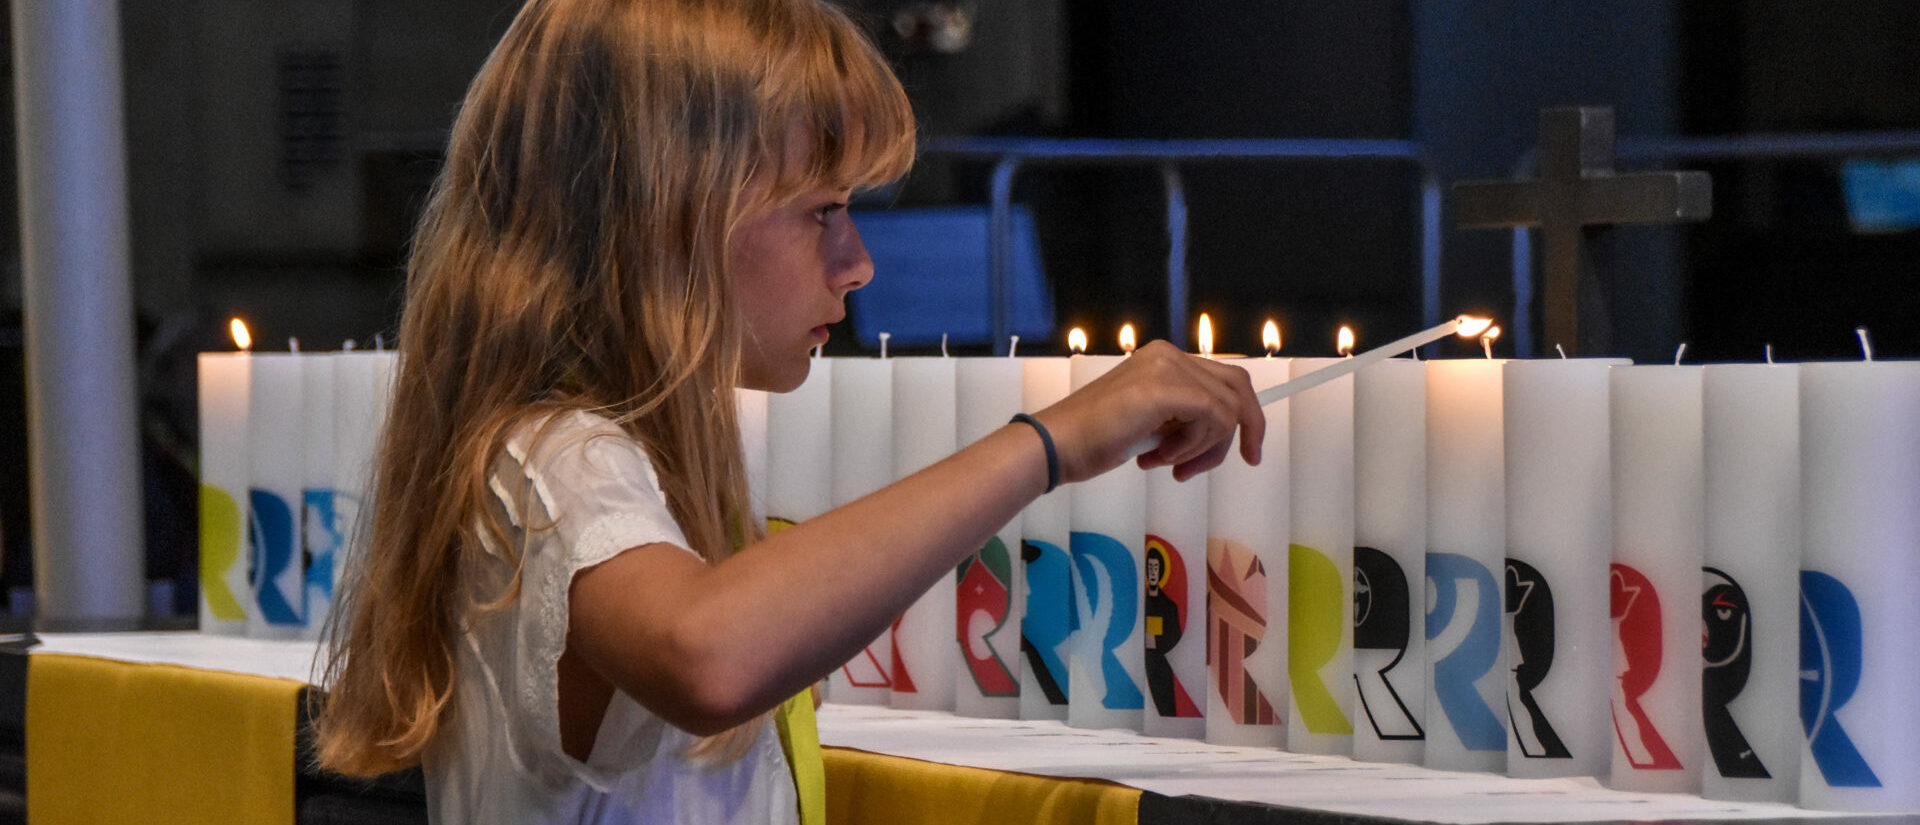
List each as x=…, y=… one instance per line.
x=854, y=116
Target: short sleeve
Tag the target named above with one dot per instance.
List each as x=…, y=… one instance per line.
x=581, y=492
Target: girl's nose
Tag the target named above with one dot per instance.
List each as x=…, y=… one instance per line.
x=852, y=266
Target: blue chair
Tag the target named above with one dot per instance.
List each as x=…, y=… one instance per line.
x=930, y=277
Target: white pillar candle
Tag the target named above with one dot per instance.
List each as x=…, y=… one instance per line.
x=987, y=599
x=925, y=658
x=1046, y=592
x=386, y=376
x=1750, y=605
x=1107, y=665
x=750, y=409
x=1466, y=534
x=1659, y=533
x=386, y=371
x=274, y=453
x=1174, y=602
x=226, y=598
x=1250, y=524
x=800, y=452
x=1389, y=561
x=320, y=528
x=1559, y=494
x=1860, y=448
x=356, y=434
x=800, y=439
x=862, y=401
x=1320, y=566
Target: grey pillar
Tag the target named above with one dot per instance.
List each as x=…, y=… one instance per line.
x=83, y=444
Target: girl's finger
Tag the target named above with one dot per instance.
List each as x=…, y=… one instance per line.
x=1249, y=416
x=1206, y=461
x=1195, y=433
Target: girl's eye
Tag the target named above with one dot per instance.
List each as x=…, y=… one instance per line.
x=824, y=214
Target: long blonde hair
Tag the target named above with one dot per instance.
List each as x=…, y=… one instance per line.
x=574, y=256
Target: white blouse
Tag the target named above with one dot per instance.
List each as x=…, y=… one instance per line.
x=577, y=495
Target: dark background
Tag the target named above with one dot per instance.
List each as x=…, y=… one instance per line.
x=279, y=149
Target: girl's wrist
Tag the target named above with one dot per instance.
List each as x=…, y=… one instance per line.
x=1046, y=443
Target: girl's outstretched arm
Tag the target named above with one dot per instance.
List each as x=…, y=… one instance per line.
x=708, y=647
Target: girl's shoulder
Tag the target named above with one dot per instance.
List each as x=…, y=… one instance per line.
x=576, y=444
x=578, y=479
x=552, y=430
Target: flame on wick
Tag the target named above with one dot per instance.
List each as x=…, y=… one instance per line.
x=241, y=338
x=1487, y=338
x=1470, y=326
x=1270, y=338
x=1206, y=335
x=1077, y=340
x=1343, y=343
x=1126, y=338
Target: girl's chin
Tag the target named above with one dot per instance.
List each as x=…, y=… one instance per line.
x=785, y=377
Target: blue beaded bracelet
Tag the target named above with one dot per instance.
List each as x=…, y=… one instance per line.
x=1046, y=440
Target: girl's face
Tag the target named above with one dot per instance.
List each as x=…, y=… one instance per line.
x=793, y=265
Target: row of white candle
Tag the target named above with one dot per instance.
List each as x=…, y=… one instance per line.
x=1545, y=523
x=286, y=443
x=1569, y=472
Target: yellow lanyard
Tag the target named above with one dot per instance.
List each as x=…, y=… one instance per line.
x=801, y=739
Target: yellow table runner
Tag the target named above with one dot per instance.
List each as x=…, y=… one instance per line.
x=111, y=741
x=116, y=742
x=867, y=787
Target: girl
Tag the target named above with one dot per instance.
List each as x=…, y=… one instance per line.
x=564, y=613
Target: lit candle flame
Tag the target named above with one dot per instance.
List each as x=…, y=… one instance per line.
x=1206, y=335
x=1126, y=338
x=1471, y=326
x=1077, y=340
x=1270, y=338
x=241, y=338
x=1487, y=338
x=1343, y=344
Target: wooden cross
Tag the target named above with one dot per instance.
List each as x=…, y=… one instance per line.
x=1576, y=196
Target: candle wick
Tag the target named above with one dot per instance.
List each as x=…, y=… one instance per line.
x=819, y=349
x=1865, y=345
x=1562, y=350
x=1486, y=347
x=1769, y=353
x=1679, y=353
x=293, y=345
x=883, y=343
x=348, y=345
x=1013, y=345
x=943, y=346
x=379, y=343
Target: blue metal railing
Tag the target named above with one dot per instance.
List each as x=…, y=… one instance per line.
x=1010, y=154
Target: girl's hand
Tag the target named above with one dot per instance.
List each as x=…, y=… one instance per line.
x=1187, y=404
